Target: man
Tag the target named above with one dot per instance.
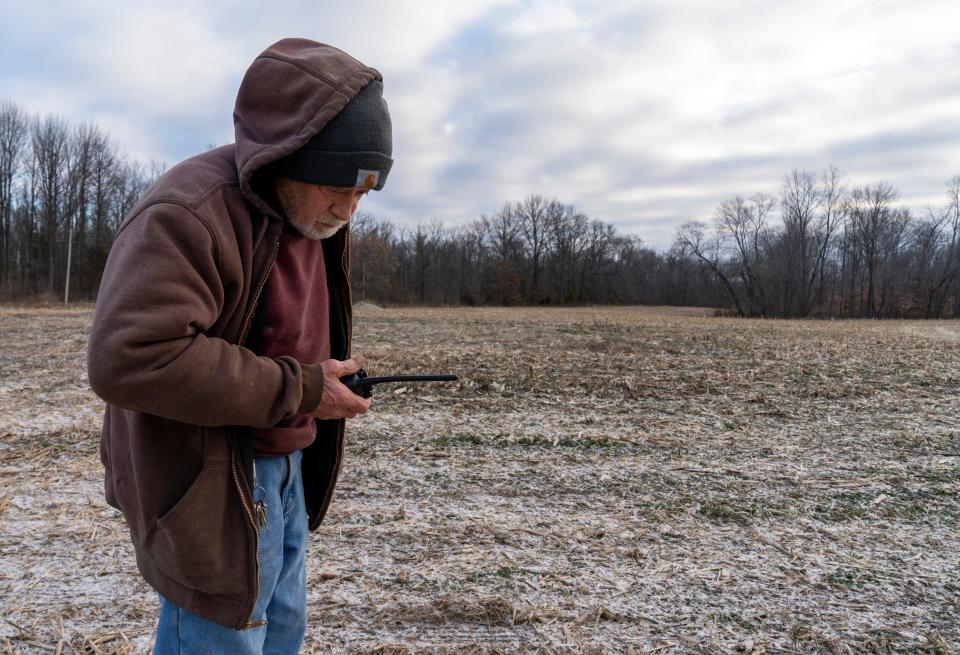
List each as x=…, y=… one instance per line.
x=221, y=330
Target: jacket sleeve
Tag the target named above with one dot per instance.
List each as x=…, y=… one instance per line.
x=162, y=289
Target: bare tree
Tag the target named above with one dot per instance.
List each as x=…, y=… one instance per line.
x=81, y=146
x=936, y=260
x=598, y=259
x=103, y=176
x=419, y=257
x=832, y=215
x=744, y=223
x=800, y=201
x=49, y=138
x=876, y=228
x=13, y=139
x=951, y=268
x=692, y=237
x=503, y=232
x=568, y=234
x=532, y=222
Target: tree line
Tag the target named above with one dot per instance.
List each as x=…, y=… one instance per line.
x=836, y=251
x=63, y=192
x=818, y=247
x=535, y=251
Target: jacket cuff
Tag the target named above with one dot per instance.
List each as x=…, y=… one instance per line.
x=312, y=376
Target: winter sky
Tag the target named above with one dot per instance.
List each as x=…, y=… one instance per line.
x=643, y=114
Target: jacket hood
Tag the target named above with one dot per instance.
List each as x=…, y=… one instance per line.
x=289, y=93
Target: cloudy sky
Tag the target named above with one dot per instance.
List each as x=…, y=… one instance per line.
x=643, y=114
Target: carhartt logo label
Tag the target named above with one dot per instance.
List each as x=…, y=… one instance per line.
x=367, y=179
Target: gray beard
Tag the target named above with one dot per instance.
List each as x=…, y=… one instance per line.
x=313, y=229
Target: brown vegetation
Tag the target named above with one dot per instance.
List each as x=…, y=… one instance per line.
x=603, y=480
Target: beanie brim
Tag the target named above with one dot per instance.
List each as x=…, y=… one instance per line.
x=364, y=170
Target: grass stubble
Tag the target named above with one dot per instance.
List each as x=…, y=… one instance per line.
x=602, y=480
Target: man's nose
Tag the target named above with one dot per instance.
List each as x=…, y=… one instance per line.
x=344, y=207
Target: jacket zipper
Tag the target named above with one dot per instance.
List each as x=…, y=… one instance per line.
x=250, y=623
x=260, y=507
x=349, y=295
x=256, y=539
x=348, y=303
x=256, y=297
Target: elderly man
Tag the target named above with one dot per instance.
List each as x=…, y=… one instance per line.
x=221, y=330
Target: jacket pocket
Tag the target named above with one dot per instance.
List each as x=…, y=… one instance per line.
x=201, y=542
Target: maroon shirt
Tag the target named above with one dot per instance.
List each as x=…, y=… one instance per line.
x=296, y=322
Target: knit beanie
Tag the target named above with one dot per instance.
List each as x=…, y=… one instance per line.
x=353, y=150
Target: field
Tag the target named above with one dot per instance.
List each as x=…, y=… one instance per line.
x=603, y=480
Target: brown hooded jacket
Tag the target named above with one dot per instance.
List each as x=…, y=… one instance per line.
x=174, y=310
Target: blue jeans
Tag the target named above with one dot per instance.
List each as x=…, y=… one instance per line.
x=283, y=578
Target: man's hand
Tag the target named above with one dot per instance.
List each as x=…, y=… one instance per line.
x=337, y=400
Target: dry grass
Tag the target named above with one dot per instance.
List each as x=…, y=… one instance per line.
x=615, y=480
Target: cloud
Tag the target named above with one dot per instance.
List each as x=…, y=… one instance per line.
x=642, y=114
x=662, y=112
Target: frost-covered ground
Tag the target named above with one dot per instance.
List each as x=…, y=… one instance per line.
x=614, y=480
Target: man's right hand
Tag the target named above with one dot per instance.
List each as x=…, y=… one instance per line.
x=337, y=401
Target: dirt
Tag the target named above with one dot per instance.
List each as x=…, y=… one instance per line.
x=602, y=480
